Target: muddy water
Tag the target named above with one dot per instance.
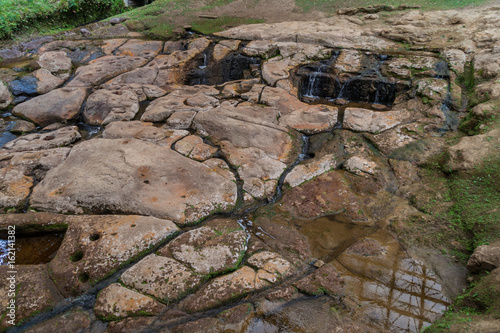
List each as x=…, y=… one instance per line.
x=33, y=250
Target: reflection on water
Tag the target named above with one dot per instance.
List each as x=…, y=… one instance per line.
x=406, y=298
x=33, y=250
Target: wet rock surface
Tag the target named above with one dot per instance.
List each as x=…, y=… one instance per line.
x=192, y=204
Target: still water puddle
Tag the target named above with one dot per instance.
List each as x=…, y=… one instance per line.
x=32, y=250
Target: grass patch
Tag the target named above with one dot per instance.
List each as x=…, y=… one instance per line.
x=476, y=198
x=331, y=6
x=52, y=15
x=208, y=27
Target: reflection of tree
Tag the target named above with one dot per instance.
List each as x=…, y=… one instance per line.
x=413, y=298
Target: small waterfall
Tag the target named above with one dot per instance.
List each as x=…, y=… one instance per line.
x=313, y=86
x=205, y=62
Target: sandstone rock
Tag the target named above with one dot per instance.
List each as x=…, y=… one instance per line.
x=111, y=45
x=223, y=289
x=193, y=147
x=96, y=246
x=39, y=141
x=181, y=120
x=202, y=100
x=46, y=81
x=143, y=131
x=339, y=35
x=311, y=120
x=363, y=120
x=35, y=292
x=5, y=96
x=410, y=66
x=325, y=280
x=164, y=278
x=14, y=187
x=104, y=107
x=103, y=69
x=129, y=325
x=73, y=320
x=142, y=75
x=274, y=70
x=487, y=63
x=272, y=263
x=349, y=61
x=59, y=105
x=239, y=319
x=456, y=59
x=312, y=168
x=21, y=127
x=472, y=150
x=361, y=166
x=115, y=302
x=217, y=247
x=246, y=127
x=434, y=90
x=129, y=175
x=485, y=257
x=327, y=194
x=44, y=159
x=160, y=109
x=140, y=48
x=57, y=62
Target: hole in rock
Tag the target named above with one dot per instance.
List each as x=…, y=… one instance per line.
x=31, y=249
x=84, y=277
x=94, y=237
x=76, y=256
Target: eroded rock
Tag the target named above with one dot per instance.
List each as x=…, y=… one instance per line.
x=60, y=105
x=95, y=247
x=104, y=107
x=115, y=302
x=41, y=141
x=129, y=175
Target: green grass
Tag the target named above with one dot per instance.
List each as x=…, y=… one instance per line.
x=331, y=6
x=476, y=198
x=50, y=15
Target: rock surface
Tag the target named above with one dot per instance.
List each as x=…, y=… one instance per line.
x=115, y=302
x=93, y=248
x=183, y=191
x=60, y=105
x=485, y=258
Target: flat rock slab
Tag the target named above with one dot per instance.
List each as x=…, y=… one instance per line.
x=14, y=187
x=193, y=147
x=35, y=292
x=57, y=62
x=96, y=246
x=339, y=35
x=116, y=302
x=59, y=105
x=5, y=96
x=363, y=120
x=325, y=280
x=143, y=131
x=247, y=126
x=103, y=69
x=216, y=247
x=328, y=194
x=137, y=177
x=41, y=141
x=224, y=289
x=71, y=321
x=140, y=48
x=105, y=106
x=164, y=278
x=44, y=159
